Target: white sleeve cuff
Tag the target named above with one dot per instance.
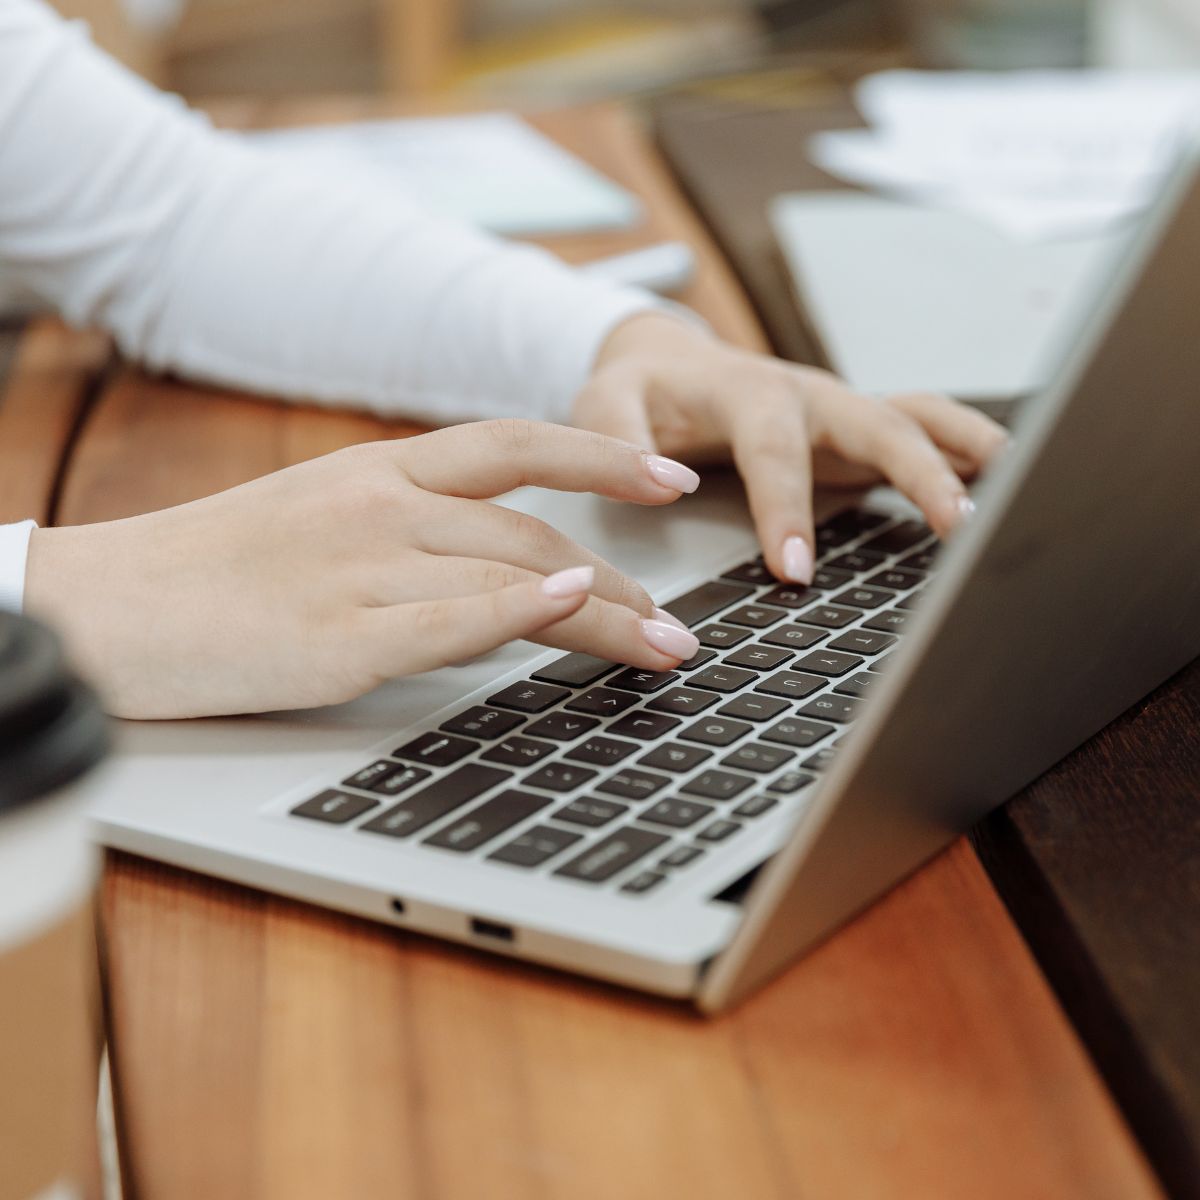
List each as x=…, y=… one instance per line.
x=14, y=549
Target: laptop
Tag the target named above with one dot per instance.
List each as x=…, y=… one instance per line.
x=690, y=833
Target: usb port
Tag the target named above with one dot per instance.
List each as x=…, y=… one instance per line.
x=493, y=930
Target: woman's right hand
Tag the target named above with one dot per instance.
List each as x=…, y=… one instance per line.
x=317, y=583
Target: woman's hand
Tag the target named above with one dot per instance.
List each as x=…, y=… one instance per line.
x=670, y=386
x=312, y=585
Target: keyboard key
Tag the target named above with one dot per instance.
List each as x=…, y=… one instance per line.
x=797, y=731
x=794, y=685
x=795, y=637
x=755, y=571
x=436, y=749
x=334, y=807
x=758, y=657
x=487, y=821
x=822, y=760
x=855, y=685
x=752, y=707
x=829, y=662
x=864, y=597
x=632, y=784
x=603, y=702
x=719, y=678
x=878, y=663
x=702, y=656
x=829, y=616
x=559, y=777
x=683, y=700
x=847, y=525
x=642, y=883
x=832, y=707
x=718, y=831
x=858, y=560
x=518, y=752
x=591, y=811
x=482, y=722
x=721, y=637
x=535, y=846
x=632, y=680
x=755, y=616
x=436, y=800
x=827, y=578
x=675, y=757
x=370, y=774
x=574, y=670
x=863, y=641
x=603, y=751
x=755, y=806
x=754, y=756
x=790, y=782
x=529, y=697
x=896, y=578
x=677, y=813
x=644, y=725
x=681, y=856
x=923, y=560
x=715, y=731
x=717, y=785
x=611, y=855
x=887, y=622
x=562, y=727
x=789, y=595
x=901, y=537
x=400, y=781
x=705, y=601
x=909, y=602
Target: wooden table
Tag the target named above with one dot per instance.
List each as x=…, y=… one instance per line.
x=266, y=1049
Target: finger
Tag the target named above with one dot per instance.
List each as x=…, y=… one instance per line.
x=489, y=458
x=616, y=409
x=405, y=639
x=773, y=456
x=968, y=437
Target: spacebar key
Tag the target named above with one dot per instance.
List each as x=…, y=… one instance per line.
x=700, y=603
x=614, y=853
x=426, y=806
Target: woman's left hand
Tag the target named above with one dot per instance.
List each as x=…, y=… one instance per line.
x=673, y=388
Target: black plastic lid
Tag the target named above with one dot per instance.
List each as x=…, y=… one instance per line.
x=52, y=730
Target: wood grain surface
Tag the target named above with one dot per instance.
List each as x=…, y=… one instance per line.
x=263, y=1048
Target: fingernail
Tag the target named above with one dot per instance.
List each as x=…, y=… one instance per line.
x=798, y=560
x=570, y=582
x=661, y=614
x=678, y=643
x=965, y=506
x=672, y=474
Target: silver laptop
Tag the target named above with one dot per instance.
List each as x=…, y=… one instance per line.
x=689, y=833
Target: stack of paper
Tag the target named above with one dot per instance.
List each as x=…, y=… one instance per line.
x=1038, y=154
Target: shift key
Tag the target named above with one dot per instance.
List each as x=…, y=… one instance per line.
x=701, y=603
x=610, y=855
x=426, y=806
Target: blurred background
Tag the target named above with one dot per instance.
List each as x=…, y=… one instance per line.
x=536, y=52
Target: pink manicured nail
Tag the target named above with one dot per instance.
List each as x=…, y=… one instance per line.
x=678, y=643
x=672, y=474
x=570, y=582
x=798, y=560
x=661, y=614
x=966, y=507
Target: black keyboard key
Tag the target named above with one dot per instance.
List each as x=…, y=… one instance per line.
x=611, y=855
x=591, y=811
x=829, y=616
x=677, y=813
x=795, y=637
x=789, y=595
x=720, y=678
x=482, y=722
x=909, y=602
x=632, y=784
x=755, y=616
x=858, y=560
x=718, y=831
x=643, y=882
x=633, y=680
x=559, y=777
x=535, y=846
x=755, y=571
x=437, y=800
x=369, y=775
x=896, y=578
x=849, y=524
x=562, y=727
x=878, y=664
x=828, y=578
x=855, y=685
x=887, y=622
x=829, y=662
x=602, y=751
x=758, y=657
x=334, y=807
x=436, y=749
x=603, y=702
x=864, y=597
x=863, y=641
x=705, y=601
x=673, y=756
x=487, y=821
x=755, y=806
x=574, y=670
x=715, y=731
x=717, y=785
x=822, y=760
x=684, y=701
x=702, y=656
x=518, y=752
x=644, y=725
x=529, y=696
x=752, y=707
x=832, y=707
x=721, y=637
x=681, y=856
x=899, y=538
x=790, y=782
x=793, y=685
x=797, y=731
x=923, y=560
x=754, y=756
x=400, y=781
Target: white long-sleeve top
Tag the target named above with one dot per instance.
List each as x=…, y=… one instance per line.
x=202, y=255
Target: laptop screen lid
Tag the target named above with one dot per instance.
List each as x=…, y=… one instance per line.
x=1073, y=592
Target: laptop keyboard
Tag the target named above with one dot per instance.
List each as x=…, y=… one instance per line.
x=617, y=777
